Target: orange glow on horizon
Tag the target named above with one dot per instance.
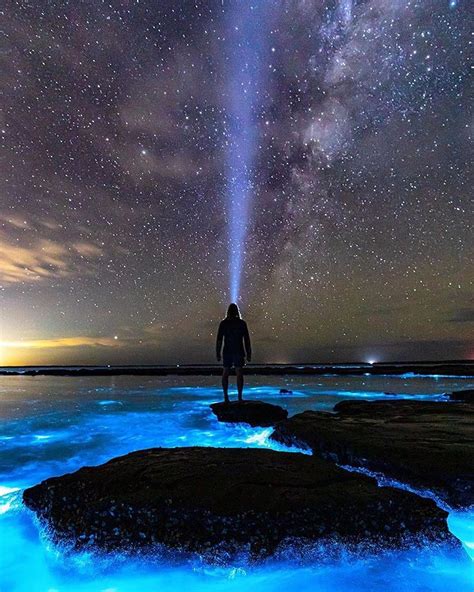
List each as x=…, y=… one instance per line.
x=19, y=353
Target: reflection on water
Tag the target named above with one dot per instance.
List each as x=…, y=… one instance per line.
x=53, y=425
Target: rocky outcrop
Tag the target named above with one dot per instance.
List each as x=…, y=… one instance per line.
x=429, y=445
x=467, y=396
x=255, y=413
x=219, y=502
x=460, y=368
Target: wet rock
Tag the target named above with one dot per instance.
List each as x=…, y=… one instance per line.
x=467, y=396
x=255, y=413
x=429, y=445
x=218, y=502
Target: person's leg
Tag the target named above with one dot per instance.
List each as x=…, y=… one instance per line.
x=240, y=380
x=225, y=383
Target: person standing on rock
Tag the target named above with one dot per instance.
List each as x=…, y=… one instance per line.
x=233, y=331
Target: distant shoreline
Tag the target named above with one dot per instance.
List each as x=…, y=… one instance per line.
x=444, y=368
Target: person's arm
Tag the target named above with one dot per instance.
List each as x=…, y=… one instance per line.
x=248, y=347
x=220, y=336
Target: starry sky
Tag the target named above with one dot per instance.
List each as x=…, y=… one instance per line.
x=117, y=125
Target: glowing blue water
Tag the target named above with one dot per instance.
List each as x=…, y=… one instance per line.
x=52, y=425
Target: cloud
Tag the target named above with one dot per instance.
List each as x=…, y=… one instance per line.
x=171, y=136
x=49, y=224
x=43, y=259
x=15, y=221
x=60, y=342
x=88, y=250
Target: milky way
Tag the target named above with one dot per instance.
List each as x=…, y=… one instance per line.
x=114, y=223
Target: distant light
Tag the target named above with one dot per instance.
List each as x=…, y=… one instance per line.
x=144, y=152
x=115, y=336
x=453, y=3
x=371, y=361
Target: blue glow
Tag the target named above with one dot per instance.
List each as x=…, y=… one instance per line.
x=428, y=376
x=173, y=411
x=460, y=522
x=246, y=45
x=384, y=481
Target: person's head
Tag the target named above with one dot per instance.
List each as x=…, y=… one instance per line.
x=233, y=311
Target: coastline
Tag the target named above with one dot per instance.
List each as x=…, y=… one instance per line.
x=455, y=368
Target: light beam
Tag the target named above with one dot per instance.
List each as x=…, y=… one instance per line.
x=246, y=47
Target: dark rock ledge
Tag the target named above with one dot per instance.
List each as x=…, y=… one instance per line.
x=219, y=502
x=429, y=445
x=255, y=413
x=467, y=396
x=449, y=368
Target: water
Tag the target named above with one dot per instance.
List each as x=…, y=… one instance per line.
x=53, y=425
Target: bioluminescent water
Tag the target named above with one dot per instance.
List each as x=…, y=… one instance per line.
x=247, y=45
x=53, y=425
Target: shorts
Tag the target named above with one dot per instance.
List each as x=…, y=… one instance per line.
x=236, y=360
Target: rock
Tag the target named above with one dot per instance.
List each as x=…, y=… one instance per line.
x=466, y=396
x=255, y=413
x=219, y=502
x=429, y=445
x=284, y=391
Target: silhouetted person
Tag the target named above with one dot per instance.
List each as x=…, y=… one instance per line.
x=235, y=334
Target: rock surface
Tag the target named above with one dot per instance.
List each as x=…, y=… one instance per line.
x=221, y=501
x=466, y=396
x=255, y=413
x=429, y=445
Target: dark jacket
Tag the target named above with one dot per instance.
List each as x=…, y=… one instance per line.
x=235, y=334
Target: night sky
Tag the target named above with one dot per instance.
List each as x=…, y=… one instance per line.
x=118, y=124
